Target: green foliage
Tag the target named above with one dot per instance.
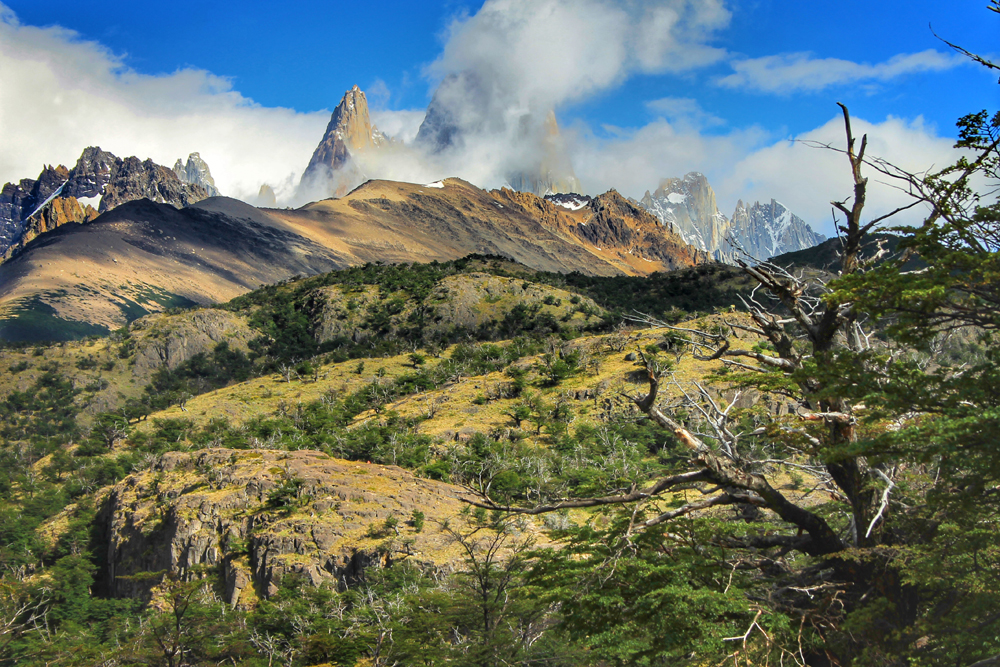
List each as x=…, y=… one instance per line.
x=653, y=598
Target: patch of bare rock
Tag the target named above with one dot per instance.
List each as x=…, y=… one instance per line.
x=259, y=514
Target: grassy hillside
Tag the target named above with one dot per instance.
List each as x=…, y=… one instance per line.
x=466, y=373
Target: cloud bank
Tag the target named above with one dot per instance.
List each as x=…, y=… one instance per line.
x=61, y=94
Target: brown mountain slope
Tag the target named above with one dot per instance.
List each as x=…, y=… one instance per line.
x=144, y=257
x=404, y=222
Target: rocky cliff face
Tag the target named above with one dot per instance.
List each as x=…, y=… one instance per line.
x=687, y=206
x=99, y=182
x=196, y=172
x=617, y=223
x=258, y=514
x=766, y=230
x=91, y=174
x=133, y=179
x=21, y=201
x=349, y=132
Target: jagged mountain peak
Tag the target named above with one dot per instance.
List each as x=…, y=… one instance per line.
x=350, y=131
x=196, y=172
x=766, y=230
x=688, y=206
x=99, y=181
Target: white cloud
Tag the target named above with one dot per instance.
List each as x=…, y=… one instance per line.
x=542, y=53
x=402, y=124
x=749, y=164
x=807, y=179
x=633, y=161
x=683, y=110
x=61, y=94
x=801, y=72
x=503, y=69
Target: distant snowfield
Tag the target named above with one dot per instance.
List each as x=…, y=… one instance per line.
x=435, y=184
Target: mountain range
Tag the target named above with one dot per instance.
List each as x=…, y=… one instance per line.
x=757, y=232
x=89, y=249
x=145, y=256
x=460, y=109
x=99, y=182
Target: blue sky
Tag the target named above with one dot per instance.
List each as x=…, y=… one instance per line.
x=718, y=94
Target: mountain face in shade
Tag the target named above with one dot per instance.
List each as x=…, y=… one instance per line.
x=196, y=172
x=688, y=207
x=99, y=182
x=349, y=132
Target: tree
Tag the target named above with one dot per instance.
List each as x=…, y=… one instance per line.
x=483, y=615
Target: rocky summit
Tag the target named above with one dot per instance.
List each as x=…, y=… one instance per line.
x=99, y=182
x=688, y=207
x=349, y=132
x=196, y=172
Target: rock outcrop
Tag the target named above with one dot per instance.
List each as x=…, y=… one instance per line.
x=258, y=514
x=170, y=340
x=196, y=172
